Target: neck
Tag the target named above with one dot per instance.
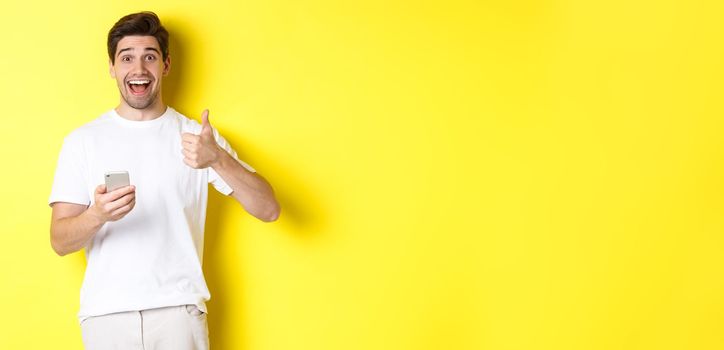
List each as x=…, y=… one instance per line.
x=155, y=110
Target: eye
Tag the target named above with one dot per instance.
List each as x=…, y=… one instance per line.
x=126, y=59
x=150, y=57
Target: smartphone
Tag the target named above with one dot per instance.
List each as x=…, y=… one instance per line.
x=116, y=180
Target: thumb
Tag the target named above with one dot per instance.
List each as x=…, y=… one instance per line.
x=205, y=125
x=101, y=189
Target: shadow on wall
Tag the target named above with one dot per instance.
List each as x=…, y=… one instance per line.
x=173, y=91
x=301, y=217
x=300, y=208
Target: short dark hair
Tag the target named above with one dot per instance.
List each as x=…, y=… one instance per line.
x=141, y=23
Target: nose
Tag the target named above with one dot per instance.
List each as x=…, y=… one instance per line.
x=139, y=67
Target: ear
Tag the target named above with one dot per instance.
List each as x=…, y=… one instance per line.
x=111, y=70
x=166, y=65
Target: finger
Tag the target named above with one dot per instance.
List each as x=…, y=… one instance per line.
x=101, y=189
x=120, y=202
x=114, y=195
x=205, y=125
x=122, y=211
x=205, y=118
x=186, y=137
x=191, y=147
x=188, y=154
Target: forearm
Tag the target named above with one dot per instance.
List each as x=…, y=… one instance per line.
x=249, y=189
x=71, y=234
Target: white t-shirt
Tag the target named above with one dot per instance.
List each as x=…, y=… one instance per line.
x=152, y=257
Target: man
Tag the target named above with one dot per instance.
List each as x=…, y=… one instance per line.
x=143, y=286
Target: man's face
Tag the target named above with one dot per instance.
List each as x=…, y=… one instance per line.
x=138, y=70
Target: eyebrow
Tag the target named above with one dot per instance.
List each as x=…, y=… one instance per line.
x=146, y=49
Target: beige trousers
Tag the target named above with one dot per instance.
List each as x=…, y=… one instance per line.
x=169, y=328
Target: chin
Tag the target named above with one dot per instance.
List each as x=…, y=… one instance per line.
x=140, y=104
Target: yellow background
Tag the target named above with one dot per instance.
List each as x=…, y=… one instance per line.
x=453, y=174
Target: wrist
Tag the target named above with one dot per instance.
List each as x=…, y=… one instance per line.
x=219, y=157
x=95, y=215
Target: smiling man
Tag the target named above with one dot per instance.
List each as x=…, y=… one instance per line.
x=144, y=287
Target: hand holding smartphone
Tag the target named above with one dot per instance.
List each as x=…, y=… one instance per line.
x=110, y=206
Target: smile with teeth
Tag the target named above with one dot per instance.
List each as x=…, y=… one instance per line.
x=138, y=86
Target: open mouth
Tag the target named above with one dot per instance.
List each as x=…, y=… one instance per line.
x=138, y=86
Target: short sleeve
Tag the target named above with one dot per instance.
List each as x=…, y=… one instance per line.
x=69, y=183
x=214, y=178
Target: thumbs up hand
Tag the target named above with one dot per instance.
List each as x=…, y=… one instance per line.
x=201, y=151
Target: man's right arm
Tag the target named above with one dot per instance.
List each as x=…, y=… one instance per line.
x=72, y=225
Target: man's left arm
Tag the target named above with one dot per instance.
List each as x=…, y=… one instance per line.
x=251, y=190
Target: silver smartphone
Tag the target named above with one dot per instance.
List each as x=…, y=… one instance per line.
x=116, y=180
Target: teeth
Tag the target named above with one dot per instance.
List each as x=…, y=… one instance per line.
x=139, y=82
